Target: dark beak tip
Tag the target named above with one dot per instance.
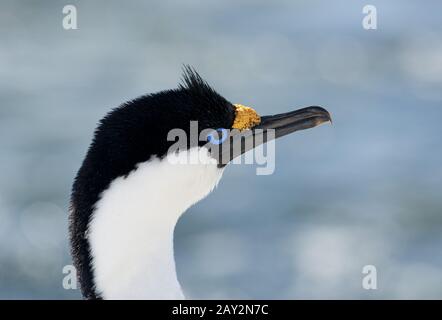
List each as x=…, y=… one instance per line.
x=323, y=115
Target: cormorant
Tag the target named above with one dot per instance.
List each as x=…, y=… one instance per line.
x=128, y=194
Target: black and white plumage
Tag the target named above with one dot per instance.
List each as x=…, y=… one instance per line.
x=127, y=197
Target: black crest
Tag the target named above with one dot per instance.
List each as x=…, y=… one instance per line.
x=130, y=134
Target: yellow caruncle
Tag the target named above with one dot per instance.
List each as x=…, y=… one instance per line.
x=245, y=117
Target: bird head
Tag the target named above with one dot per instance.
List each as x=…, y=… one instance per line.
x=141, y=128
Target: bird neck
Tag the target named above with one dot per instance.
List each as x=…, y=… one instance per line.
x=131, y=231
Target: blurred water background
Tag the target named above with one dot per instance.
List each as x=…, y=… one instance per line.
x=366, y=190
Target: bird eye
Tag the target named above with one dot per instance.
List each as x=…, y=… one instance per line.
x=218, y=136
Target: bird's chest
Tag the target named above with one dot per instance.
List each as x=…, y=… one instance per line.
x=131, y=230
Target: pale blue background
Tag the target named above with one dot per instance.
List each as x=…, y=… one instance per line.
x=366, y=190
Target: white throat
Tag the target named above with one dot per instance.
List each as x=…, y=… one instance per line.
x=131, y=230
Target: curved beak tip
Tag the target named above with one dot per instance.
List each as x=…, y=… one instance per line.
x=321, y=115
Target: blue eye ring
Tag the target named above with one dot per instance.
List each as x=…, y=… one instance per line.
x=221, y=132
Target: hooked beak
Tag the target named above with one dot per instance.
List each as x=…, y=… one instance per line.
x=271, y=127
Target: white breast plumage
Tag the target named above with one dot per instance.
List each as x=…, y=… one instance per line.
x=131, y=230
